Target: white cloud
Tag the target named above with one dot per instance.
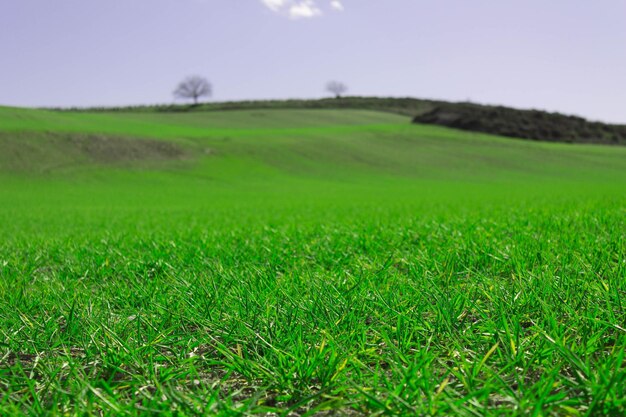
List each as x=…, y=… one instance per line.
x=336, y=5
x=300, y=9
x=275, y=5
x=304, y=9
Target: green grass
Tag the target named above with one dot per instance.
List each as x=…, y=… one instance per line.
x=303, y=262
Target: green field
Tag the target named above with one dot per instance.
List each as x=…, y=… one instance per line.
x=306, y=262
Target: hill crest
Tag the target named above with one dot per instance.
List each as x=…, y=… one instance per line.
x=497, y=120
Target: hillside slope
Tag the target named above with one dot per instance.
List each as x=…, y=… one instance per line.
x=287, y=144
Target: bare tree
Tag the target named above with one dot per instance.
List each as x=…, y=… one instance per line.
x=193, y=87
x=336, y=88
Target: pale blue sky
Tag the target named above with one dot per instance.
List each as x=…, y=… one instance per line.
x=565, y=55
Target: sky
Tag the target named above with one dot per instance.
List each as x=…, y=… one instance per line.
x=558, y=55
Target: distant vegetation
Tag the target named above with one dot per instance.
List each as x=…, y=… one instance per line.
x=525, y=124
x=497, y=120
x=405, y=106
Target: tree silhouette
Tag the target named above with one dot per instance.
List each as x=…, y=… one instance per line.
x=193, y=88
x=336, y=88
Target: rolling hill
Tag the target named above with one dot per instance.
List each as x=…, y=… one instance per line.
x=328, y=144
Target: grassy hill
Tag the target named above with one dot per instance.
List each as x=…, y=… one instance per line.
x=313, y=144
x=305, y=262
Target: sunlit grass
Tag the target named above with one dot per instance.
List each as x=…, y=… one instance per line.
x=425, y=272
